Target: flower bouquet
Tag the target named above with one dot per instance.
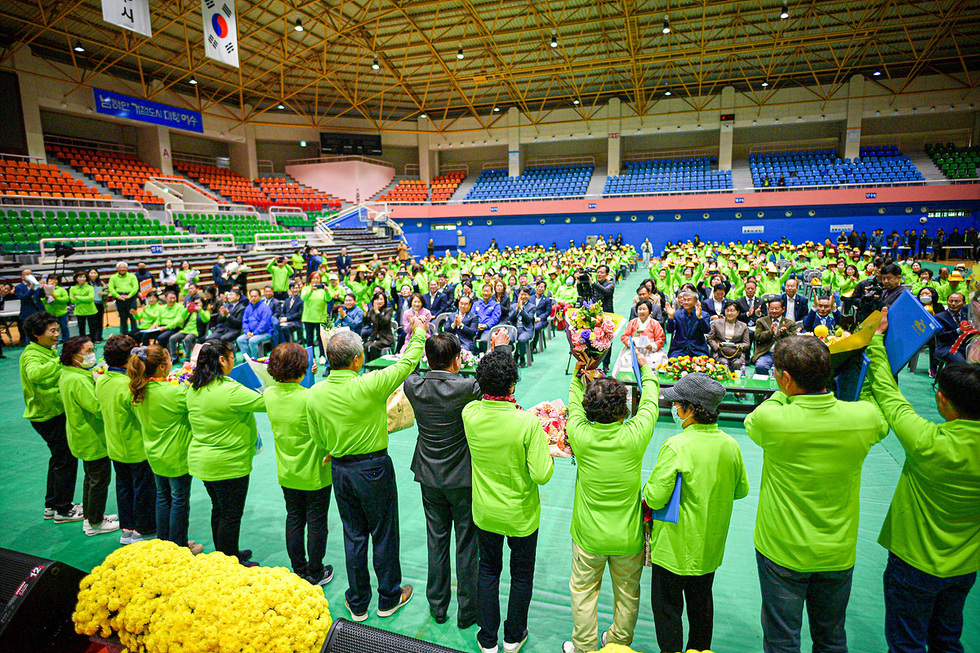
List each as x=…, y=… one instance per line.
x=680, y=366
x=470, y=360
x=590, y=334
x=553, y=416
x=181, y=375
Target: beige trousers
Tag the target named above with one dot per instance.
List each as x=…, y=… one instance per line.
x=586, y=580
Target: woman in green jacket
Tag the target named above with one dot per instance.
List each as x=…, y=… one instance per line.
x=303, y=466
x=223, y=438
x=161, y=409
x=150, y=326
x=82, y=295
x=135, y=488
x=86, y=434
x=186, y=275
x=56, y=303
x=314, y=297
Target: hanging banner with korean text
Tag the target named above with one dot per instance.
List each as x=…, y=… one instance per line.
x=154, y=113
x=133, y=15
x=220, y=31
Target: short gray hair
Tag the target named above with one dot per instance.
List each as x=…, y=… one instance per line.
x=343, y=348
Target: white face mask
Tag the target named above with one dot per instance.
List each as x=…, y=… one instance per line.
x=89, y=361
x=926, y=299
x=677, y=418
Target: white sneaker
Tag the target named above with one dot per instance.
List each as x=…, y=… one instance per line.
x=49, y=513
x=75, y=514
x=107, y=526
x=480, y=646
x=126, y=537
x=603, y=638
x=515, y=647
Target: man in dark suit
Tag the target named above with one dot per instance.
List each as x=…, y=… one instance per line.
x=464, y=323
x=768, y=330
x=442, y=469
x=750, y=307
x=542, y=311
x=344, y=263
x=269, y=299
x=949, y=328
x=714, y=306
x=291, y=313
x=795, y=306
x=823, y=315
x=643, y=292
x=30, y=294
x=436, y=300
x=688, y=326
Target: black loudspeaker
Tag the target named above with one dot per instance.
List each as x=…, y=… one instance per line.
x=37, y=598
x=350, y=637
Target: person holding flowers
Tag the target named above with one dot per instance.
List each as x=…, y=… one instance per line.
x=161, y=409
x=607, y=525
x=686, y=554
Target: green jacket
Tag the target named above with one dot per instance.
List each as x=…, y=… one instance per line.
x=809, y=499
x=125, y=284
x=86, y=433
x=299, y=460
x=124, y=440
x=185, y=277
x=280, y=275
x=187, y=322
x=223, y=430
x=314, y=304
x=83, y=297
x=149, y=316
x=933, y=523
x=712, y=478
x=510, y=459
x=170, y=316
x=58, y=305
x=567, y=294
x=40, y=370
x=166, y=428
x=348, y=414
x=606, y=516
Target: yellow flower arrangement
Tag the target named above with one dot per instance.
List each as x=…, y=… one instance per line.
x=158, y=597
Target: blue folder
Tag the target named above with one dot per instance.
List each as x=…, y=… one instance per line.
x=244, y=375
x=672, y=511
x=636, y=367
x=910, y=326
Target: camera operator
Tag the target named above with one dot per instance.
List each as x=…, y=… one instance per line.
x=583, y=284
x=878, y=291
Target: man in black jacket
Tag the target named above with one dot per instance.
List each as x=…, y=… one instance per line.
x=291, y=313
x=344, y=263
x=227, y=324
x=442, y=468
x=602, y=291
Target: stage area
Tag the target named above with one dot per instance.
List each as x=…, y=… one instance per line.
x=23, y=460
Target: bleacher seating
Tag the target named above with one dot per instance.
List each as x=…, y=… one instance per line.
x=286, y=193
x=406, y=190
x=299, y=222
x=445, y=185
x=123, y=173
x=242, y=226
x=22, y=229
x=231, y=185
x=20, y=177
x=538, y=181
x=955, y=162
x=825, y=168
x=669, y=175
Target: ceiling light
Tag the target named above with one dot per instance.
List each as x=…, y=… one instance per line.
x=667, y=93
x=299, y=25
x=192, y=82
x=78, y=47
x=666, y=29
x=785, y=12
x=765, y=84
x=302, y=143
x=281, y=106
x=554, y=41
x=876, y=73
x=375, y=65
x=423, y=116
x=496, y=109
x=459, y=52
x=575, y=102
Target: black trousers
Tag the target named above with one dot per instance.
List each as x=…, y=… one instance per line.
x=90, y=324
x=444, y=510
x=669, y=593
x=227, y=508
x=95, y=490
x=367, y=500
x=62, y=465
x=100, y=313
x=127, y=320
x=522, y=554
x=306, y=515
x=313, y=338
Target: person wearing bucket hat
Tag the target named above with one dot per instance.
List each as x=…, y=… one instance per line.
x=685, y=555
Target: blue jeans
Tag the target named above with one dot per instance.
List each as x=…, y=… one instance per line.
x=250, y=346
x=785, y=593
x=173, y=508
x=367, y=500
x=763, y=364
x=63, y=325
x=923, y=611
x=135, y=496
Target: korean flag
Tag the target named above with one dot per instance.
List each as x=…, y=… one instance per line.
x=220, y=31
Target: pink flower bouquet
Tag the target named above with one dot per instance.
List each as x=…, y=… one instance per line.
x=590, y=334
x=553, y=417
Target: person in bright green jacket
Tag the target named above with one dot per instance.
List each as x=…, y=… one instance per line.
x=86, y=433
x=161, y=409
x=187, y=325
x=223, y=441
x=932, y=529
x=135, y=487
x=124, y=287
x=567, y=292
x=186, y=275
x=40, y=370
x=806, y=526
x=150, y=322
x=687, y=553
x=314, y=297
x=510, y=459
x=56, y=303
x=302, y=465
x=607, y=524
x=281, y=272
x=171, y=319
x=82, y=295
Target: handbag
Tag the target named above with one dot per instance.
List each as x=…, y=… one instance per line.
x=401, y=415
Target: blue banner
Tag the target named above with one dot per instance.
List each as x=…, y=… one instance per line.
x=124, y=106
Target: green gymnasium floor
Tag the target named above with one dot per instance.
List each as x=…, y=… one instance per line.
x=23, y=459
